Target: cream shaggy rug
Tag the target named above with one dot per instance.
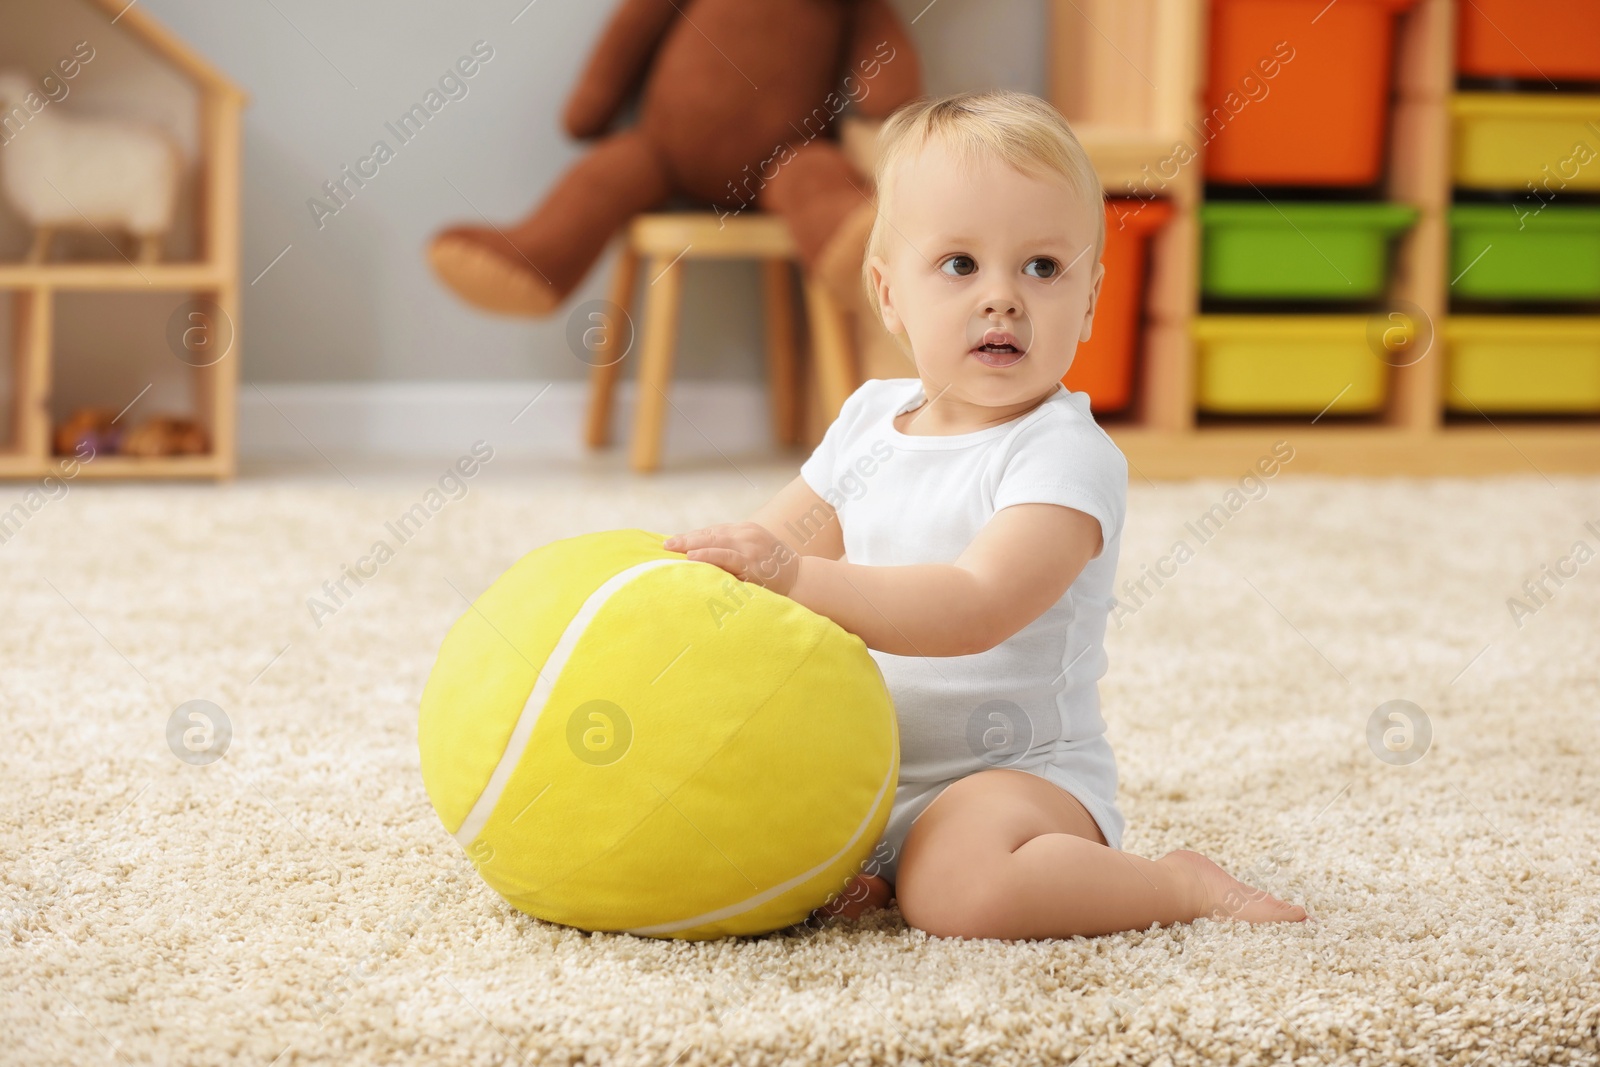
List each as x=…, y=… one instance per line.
x=297, y=900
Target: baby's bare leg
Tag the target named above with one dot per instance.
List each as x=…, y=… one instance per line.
x=1006, y=854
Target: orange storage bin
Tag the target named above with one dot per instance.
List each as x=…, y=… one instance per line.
x=1558, y=39
x=1297, y=92
x=1103, y=366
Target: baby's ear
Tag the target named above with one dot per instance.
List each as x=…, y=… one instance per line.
x=1094, y=301
x=878, y=272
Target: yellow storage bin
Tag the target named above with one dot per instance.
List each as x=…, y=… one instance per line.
x=1287, y=364
x=1523, y=364
x=1512, y=140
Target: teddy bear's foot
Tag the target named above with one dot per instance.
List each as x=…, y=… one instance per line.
x=839, y=264
x=485, y=271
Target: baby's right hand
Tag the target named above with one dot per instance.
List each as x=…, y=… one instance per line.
x=746, y=550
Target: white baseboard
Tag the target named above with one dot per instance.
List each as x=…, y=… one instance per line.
x=432, y=419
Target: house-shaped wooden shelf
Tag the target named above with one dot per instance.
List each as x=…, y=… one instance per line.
x=48, y=298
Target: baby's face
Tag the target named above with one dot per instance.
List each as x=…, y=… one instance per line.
x=983, y=253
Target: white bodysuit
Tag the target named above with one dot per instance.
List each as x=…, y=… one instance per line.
x=1031, y=702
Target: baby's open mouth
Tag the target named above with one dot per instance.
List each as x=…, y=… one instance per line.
x=1000, y=348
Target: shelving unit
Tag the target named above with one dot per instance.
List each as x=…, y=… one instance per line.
x=214, y=277
x=1126, y=74
x=1129, y=75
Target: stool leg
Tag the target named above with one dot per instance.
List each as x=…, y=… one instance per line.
x=832, y=348
x=783, y=371
x=43, y=238
x=608, y=361
x=655, y=362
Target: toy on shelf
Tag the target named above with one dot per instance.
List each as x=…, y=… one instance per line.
x=65, y=172
x=88, y=430
x=95, y=430
x=166, y=435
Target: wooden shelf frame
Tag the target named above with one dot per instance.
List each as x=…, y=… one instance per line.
x=1129, y=75
x=32, y=288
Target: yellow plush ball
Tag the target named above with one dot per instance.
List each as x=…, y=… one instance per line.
x=625, y=739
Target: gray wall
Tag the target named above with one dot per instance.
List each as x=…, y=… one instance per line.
x=354, y=301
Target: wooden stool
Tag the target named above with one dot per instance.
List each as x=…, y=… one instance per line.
x=663, y=241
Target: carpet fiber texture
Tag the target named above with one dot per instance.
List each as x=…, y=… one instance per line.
x=297, y=900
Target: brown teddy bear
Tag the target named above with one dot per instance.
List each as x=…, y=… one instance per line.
x=736, y=102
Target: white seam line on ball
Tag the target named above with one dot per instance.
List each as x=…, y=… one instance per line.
x=478, y=817
x=761, y=898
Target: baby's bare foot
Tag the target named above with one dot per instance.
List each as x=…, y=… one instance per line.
x=863, y=891
x=1219, y=895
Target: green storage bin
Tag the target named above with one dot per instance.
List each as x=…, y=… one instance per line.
x=1299, y=251
x=1503, y=252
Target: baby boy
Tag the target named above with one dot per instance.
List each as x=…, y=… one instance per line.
x=965, y=523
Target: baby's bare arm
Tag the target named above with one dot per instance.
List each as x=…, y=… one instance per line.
x=802, y=520
x=1020, y=563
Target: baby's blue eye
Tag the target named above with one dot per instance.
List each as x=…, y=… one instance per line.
x=968, y=262
x=1049, y=268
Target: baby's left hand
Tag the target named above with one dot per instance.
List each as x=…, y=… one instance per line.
x=746, y=550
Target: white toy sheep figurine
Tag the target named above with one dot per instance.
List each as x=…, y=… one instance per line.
x=62, y=171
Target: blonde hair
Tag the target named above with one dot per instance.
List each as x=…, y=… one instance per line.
x=1018, y=128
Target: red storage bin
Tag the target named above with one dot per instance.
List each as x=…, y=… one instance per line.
x=1103, y=366
x=1556, y=39
x=1297, y=91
